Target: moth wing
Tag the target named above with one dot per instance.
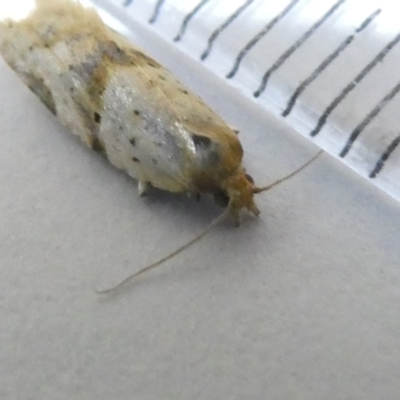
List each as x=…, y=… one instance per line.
x=144, y=131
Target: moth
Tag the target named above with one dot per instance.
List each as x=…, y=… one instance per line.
x=125, y=105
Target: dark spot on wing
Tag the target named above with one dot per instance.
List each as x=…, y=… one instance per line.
x=132, y=141
x=141, y=58
x=98, y=146
x=38, y=86
x=201, y=141
x=135, y=159
x=184, y=91
x=97, y=117
x=116, y=54
x=136, y=112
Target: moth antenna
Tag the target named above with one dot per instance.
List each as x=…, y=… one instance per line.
x=295, y=172
x=216, y=221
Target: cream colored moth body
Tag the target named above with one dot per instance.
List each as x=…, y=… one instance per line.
x=122, y=103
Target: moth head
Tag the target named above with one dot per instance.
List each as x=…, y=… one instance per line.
x=238, y=190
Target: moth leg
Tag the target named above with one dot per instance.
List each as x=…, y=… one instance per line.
x=254, y=209
x=143, y=188
x=236, y=216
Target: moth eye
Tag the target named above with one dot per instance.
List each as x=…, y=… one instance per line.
x=221, y=198
x=249, y=178
x=201, y=141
